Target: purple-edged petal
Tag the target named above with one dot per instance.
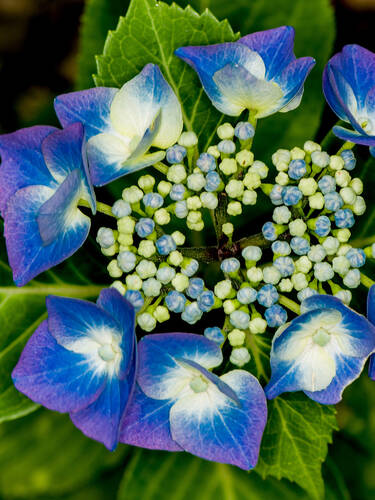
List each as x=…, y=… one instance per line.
x=28, y=255
x=293, y=77
x=57, y=378
x=211, y=425
x=90, y=107
x=371, y=318
x=146, y=423
x=161, y=376
x=354, y=136
x=275, y=46
x=22, y=162
x=65, y=151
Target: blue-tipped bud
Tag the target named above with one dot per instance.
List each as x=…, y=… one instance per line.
x=300, y=246
x=165, y=244
x=349, y=159
x=144, y=227
x=190, y=268
x=165, y=274
x=291, y=195
x=297, y=169
x=356, y=257
x=276, y=195
x=333, y=201
x=276, y=316
x=322, y=225
x=181, y=209
x=306, y=293
x=230, y=265
x=195, y=288
x=281, y=248
x=121, y=208
x=285, y=266
x=192, y=313
x=244, y=131
x=267, y=295
x=177, y=192
x=176, y=154
x=227, y=147
x=135, y=298
x=206, y=300
x=126, y=261
x=175, y=301
x=215, y=334
x=213, y=181
x=105, y=237
x=269, y=231
x=240, y=319
x=344, y=218
x=327, y=184
x=247, y=295
x=206, y=163
x=153, y=200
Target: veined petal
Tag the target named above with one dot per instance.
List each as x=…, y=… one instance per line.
x=294, y=103
x=146, y=423
x=57, y=378
x=370, y=107
x=28, y=255
x=354, y=136
x=371, y=318
x=138, y=103
x=211, y=425
x=22, y=162
x=160, y=375
x=90, y=107
x=292, y=79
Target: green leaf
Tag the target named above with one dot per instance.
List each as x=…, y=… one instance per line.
x=98, y=18
x=150, y=33
x=45, y=454
x=154, y=475
x=21, y=311
x=295, y=441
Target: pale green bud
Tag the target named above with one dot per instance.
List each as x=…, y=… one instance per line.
x=308, y=186
x=188, y=139
x=343, y=235
x=119, y=287
x=344, y=249
x=281, y=159
x=162, y=217
x=236, y=337
x=175, y=258
x=285, y=285
x=336, y=162
x=234, y=188
x=223, y=289
x=126, y=225
x=239, y=356
x=227, y=228
x=271, y=275
x=357, y=185
x=111, y=251
x=178, y=237
x=316, y=201
x=260, y=168
x=299, y=281
x=132, y=194
x=161, y=314
x=164, y=188
x=254, y=274
x=194, y=217
x=348, y=195
x=229, y=306
x=234, y=208
x=145, y=269
x=194, y=203
x=331, y=245
x=176, y=173
x=282, y=178
x=252, y=180
x=297, y=227
x=146, y=182
x=341, y=265
x=228, y=166
x=133, y=282
x=196, y=182
x=303, y=264
x=225, y=131
x=146, y=248
x=245, y=158
x=249, y=197
x=311, y=146
x=180, y=282
x=258, y=325
x=359, y=207
x=125, y=240
x=146, y=321
x=343, y=178
x=209, y=200
x=297, y=154
x=113, y=269
x=213, y=150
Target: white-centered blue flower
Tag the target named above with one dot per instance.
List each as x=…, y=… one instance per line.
x=259, y=72
x=122, y=125
x=321, y=351
x=180, y=405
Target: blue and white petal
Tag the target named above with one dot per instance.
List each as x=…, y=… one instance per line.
x=371, y=318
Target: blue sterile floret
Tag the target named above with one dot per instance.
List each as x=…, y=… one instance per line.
x=175, y=301
x=175, y=154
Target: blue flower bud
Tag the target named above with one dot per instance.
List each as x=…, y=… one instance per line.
x=276, y=195
x=192, y=313
x=177, y=192
x=267, y=295
x=327, y=184
x=297, y=169
x=322, y=225
x=299, y=245
x=285, y=266
x=151, y=287
x=181, y=209
x=165, y=244
x=126, y=261
x=135, y=298
x=349, y=159
x=291, y=195
x=269, y=231
x=356, y=257
x=244, y=131
x=215, y=334
x=230, y=265
x=247, y=295
x=206, y=162
x=144, y=227
x=165, y=274
x=306, y=293
x=105, y=237
x=176, y=154
x=175, y=301
x=240, y=319
x=344, y=218
x=227, y=147
x=206, y=300
x=153, y=200
x=252, y=253
x=333, y=201
x=191, y=268
x=195, y=288
x=276, y=316
x=353, y=278
x=121, y=208
x=213, y=181
x=281, y=248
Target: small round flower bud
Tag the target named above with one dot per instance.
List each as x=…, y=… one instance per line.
x=195, y=288
x=175, y=301
x=285, y=285
x=181, y=209
x=240, y=319
x=344, y=218
x=297, y=153
x=344, y=249
x=162, y=217
x=209, y=200
x=270, y=231
x=327, y=184
x=282, y=178
x=175, y=154
x=276, y=194
x=178, y=237
x=126, y=261
x=341, y=265
x=323, y=271
x=161, y=314
x=206, y=301
x=164, y=188
x=285, y=266
x=249, y=197
x=267, y=296
x=229, y=306
x=132, y=194
x=165, y=274
x=352, y=279
x=146, y=182
x=228, y=166
x=125, y=240
x=194, y=217
x=316, y=201
x=206, y=163
x=223, y=289
x=320, y=159
x=176, y=173
x=349, y=159
x=146, y=248
x=234, y=188
x=119, y=287
x=114, y=270
x=239, y=356
x=133, y=282
x=196, y=182
x=236, y=337
x=297, y=227
x=271, y=274
x=188, y=139
x=234, y=208
x=342, y=178
x=244, y=131
x=348, y=195
x=105, y=237
x=110, y=251
x=322, y=225
x=297, y=169
x=153, y=200
x=189, y=266
x=300, y=246
x=126, y=225
x=146, y=269
x=282, y=215
x=260, y=168
x=144, y=227
x=276, y=316
x=254, y=274
x=227, y=147
x=356, y=257
x=146, y=321
x=299, y=281
x=136, y=299
x=308, y=186
x=252, y=253
x=121, y=209
x=333, y=201
x=151, y=287
x=227, y=228
x=359, y=207
x=213, y=150
x=213, y=181
x=252, y=180
x=291, y=195
x=230, y=265
x=306, y=293
x=343, y=235
x=317, y=253
x=331, y=245
x=336, y=162
x=180, y=282
x=165, y=244
x=245, y=158
x=345, y=296
x=246, y=295
x=192, y=314
x=257, y=325
x=225, y=131
x=215, y=334
x=175, y=258
x=357, y=185
x=311, y=146
x=303, y=264
x=281, y=159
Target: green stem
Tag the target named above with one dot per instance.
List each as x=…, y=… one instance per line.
x=363, y=242
x=76, y=291
x=161, y=167
x=100, y=207
x=290, y=304
x=346, y=145
x=366, y=281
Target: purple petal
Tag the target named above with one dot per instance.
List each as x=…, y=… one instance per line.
x=293, y=77
x=57, y=378
x=353, y=136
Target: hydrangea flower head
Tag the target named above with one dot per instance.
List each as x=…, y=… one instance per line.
x=259, y=72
